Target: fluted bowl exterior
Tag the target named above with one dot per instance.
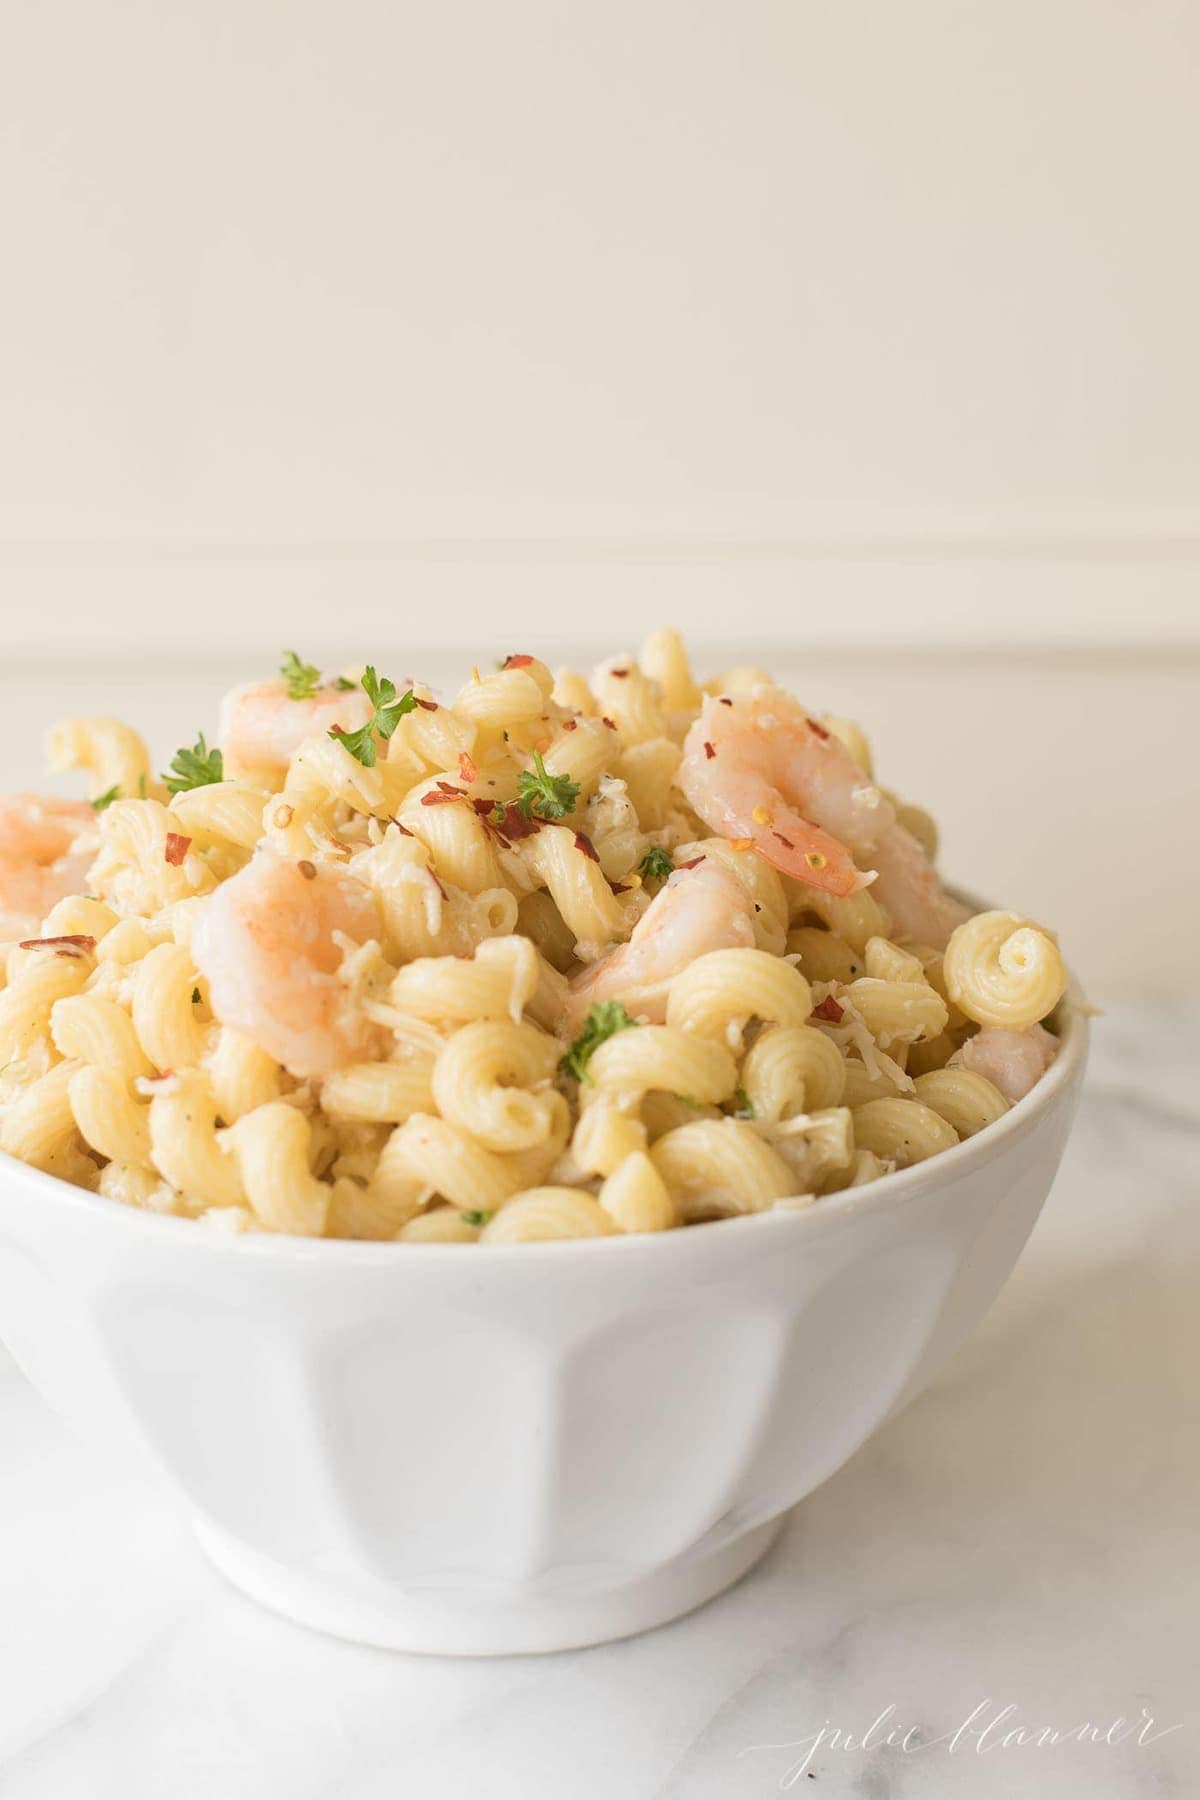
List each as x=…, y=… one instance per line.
x=514, y=1447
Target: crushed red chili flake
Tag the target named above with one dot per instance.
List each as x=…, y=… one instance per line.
x=76, y=944
x=426, y=705
x=570, y=724
x=441, y=796
x=466, y=768
x=724, y=700
x=176, y=847
x=517, y=661
x=830, y=1010
x=619, y=674
x=584, y=843
x=482, y=806
x=709, y=751
x=815, y=725
x=512, y=824
x=307, y=869
x=605, y=720
x=620, y=887
x=694, y=864
x=403, y=829
x=785, y=841
x=337, y=731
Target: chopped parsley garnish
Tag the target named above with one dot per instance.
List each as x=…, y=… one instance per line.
x=387, y=715
x=549, y=796
x=195, y=996
x=106, y=799
x=303, y=679
x=343, y=684
x=745, y=1108
x=476, y=1218
x=197, y=767
x=656, y=865
x=604, y=1020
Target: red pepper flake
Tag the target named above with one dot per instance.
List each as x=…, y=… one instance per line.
x=511, y=824
x=442, y=796
x=829, y=1009
x=337, y=731
x=466, y=767
x=619, y=674
x=694, y=864
x=584, y=843
x=482, y=806
x=570, y=724
x=605, y=720
x=517, y=662
x=786, y=842
x=814, y=725
x=620, y=887
x=78, y=944
x=724, y=700
x=402, y=829
x=709, y=751
x=176, y=848
x=426, y=705
x=307, y=869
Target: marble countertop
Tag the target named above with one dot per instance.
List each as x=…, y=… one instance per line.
x=1017, y=1549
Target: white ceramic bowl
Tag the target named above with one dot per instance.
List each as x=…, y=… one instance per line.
x=441, y=1448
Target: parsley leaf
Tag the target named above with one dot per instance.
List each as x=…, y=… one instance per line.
x=476, y=1218
x=303, y=679
x=549, y=796
x=656, y=865
x=603, y=1021
x=343, y=684
x=105, y=799
x=197, y=767
x=387, y=715
x=745, y=1108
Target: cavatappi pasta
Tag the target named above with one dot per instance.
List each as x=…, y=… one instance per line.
x=562, y=956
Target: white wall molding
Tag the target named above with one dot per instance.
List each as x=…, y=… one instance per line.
x=354, y=599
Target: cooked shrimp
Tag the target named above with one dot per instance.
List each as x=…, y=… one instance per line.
x=757, y=766
x=908, y=888
x=268, y=943
x=40, y=863
x=261, y=728
x=700, y=909
x=1013, y=1061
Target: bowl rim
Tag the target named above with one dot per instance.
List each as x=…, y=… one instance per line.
x=830, y=1213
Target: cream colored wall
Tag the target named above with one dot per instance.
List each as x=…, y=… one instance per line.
x=861, y=336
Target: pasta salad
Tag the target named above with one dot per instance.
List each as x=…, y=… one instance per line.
x=564, y=957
